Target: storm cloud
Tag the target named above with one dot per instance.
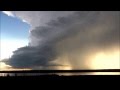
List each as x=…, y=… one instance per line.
x=60, y=38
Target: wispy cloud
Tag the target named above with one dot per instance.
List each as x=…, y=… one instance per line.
x=12, y=14
x=9, y=13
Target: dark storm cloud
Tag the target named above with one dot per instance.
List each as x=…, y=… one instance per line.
x=76, y=35
x=32, y=56
x=63, y=27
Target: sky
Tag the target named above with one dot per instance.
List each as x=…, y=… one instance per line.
x=13, y=34
x=61, y=39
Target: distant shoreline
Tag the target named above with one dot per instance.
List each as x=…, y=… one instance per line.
x=61, y=71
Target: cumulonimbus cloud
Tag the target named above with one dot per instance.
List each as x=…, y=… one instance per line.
x=57, y=35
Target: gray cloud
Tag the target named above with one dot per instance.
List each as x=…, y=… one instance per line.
x=57, y=35
x=32, y=56
x=42, y=16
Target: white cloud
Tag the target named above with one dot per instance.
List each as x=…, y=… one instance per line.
x=13, y=14
x=9, y=13
x=24, y=21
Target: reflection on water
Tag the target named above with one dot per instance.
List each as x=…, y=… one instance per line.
x=105, y=73
x=60, y=74
x=91, y=73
